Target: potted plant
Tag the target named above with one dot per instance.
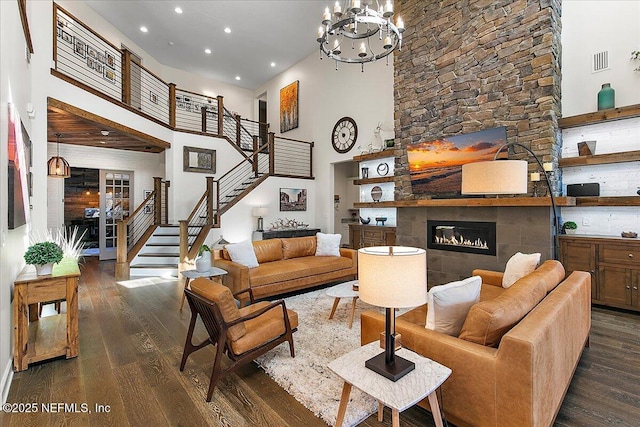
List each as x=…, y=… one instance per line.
x=569, y=227
x=203, y=261
x=43, y=255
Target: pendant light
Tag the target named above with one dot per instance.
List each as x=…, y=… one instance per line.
x=57, y=166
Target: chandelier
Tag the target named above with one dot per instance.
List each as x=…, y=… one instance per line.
x=359, y=32
x=57, y=166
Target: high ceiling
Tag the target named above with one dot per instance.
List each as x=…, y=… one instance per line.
x=262, y=32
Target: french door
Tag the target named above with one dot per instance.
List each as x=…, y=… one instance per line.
x=116, y=189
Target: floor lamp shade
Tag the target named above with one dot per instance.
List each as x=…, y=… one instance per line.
x=495, y=177
x=392, y=277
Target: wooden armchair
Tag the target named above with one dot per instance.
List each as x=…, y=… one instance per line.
x=242, y=334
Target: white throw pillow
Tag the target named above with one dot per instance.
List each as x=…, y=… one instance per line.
x=519, y=266
x=328, y=244
x=242, y=253
x=448, y=305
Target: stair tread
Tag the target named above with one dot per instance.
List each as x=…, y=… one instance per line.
x=163, y=244
x=159, y=254
x=154, y=266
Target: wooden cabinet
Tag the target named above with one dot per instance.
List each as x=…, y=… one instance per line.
x=363, y=236
x=614, y=264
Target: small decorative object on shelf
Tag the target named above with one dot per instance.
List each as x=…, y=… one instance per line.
x=606, y=97
x=365, y=221
x=629, y=234
x=376, y=193
x=383, y=169
x=287, y=224
x=389, y=143
x=586, y=148
x=569, y=227
x=365, y=172
x=380, y=220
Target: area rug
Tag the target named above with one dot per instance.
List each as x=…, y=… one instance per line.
x=317, y=342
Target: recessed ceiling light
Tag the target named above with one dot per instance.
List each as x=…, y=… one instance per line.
x=227, y=30
x=178, y=10
x=171, y=43
x=273, y=64
x=144, y=29
x=207, y=51
x=237, y=77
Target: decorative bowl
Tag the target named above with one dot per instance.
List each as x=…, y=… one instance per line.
x=629, y=234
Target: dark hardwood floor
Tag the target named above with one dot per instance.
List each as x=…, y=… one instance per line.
x=131, y=343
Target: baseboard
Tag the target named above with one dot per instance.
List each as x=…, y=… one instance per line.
x=7, y=377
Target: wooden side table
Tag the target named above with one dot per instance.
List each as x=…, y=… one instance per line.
x=194, y=274
x=37, y=339
x=422, y=382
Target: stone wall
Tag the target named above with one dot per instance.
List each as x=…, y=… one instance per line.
x=469, y=65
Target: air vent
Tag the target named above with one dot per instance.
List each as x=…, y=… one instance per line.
x=600, y=61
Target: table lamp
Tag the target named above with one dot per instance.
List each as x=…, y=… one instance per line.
x=392, y=277
x=260, y=212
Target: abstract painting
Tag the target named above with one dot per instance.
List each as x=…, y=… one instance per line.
x=289, y=107
x=18, y=192
x=435, y=166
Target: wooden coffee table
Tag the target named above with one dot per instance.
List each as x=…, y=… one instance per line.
x=344, y=290
x=422, y=382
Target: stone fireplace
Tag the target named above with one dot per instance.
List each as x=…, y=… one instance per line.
x=475, y=237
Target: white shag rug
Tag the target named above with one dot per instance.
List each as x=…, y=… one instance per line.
x=317, y=342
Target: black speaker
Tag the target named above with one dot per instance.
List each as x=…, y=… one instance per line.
x=589, y=189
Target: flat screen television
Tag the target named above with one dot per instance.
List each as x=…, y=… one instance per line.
x=91, y=212
x=435, y=167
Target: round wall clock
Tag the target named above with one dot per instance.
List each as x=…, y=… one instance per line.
x=344, y=135
x=383, y=169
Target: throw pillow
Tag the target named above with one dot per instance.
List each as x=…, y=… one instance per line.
x=328, y=244
x=242, y=253
x=448, y=305
x=519, y=266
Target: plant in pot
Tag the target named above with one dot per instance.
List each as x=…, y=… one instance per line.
x=203, y=261
x=43, y=255
x=569, y=227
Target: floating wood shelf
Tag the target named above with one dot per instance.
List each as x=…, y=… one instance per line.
x=608, y=201
x=600, y=159
x=377, y=155
x=377, y=180
x=600, y=116
x=472, y=202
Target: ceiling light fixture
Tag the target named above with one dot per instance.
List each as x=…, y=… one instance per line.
x=57, y=166
x=273, y=64
x=227, y=30
x=237, y=77
x=359, y=22
x=178, y=10
x=104, y=132
x=207, y=51
x=144, y=29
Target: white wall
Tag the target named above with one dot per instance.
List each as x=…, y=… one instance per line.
x=590, y=27
x=15, y=88
x=325, y=96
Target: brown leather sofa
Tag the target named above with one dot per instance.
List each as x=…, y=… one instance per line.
x=516, y=353
x=287, y=265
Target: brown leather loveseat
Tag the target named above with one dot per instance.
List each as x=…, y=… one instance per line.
x=287, y=265
x=516, y=353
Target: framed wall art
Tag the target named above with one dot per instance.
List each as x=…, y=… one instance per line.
x=289, y=107
x=197, y=159
x=435, y=166
x=293, y=199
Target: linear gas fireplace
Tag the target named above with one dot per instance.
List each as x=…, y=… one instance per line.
x=474, y=237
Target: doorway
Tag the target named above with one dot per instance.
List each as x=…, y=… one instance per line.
x=82, y=207
x=115, y=202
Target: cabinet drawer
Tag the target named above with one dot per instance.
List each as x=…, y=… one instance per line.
x=620, y=254
x=372, y=235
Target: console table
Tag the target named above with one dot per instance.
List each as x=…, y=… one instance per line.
x=281, y=234
x=37, y=339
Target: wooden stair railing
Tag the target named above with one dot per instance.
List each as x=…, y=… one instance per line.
x=201, y=219
x=134, y=231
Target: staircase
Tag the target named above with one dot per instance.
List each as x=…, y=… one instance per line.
x=160, y=255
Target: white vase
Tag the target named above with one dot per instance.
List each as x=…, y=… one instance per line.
x=44, y=269
x=203, y=264
x=570, y=230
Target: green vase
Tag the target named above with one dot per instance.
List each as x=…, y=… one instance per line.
x=606, y=97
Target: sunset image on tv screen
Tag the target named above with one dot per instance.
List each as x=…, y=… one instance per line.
x=436, y=166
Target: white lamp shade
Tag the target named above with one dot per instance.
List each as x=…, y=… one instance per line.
x=495, y=177
x=259, y=211
x=394, y=280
